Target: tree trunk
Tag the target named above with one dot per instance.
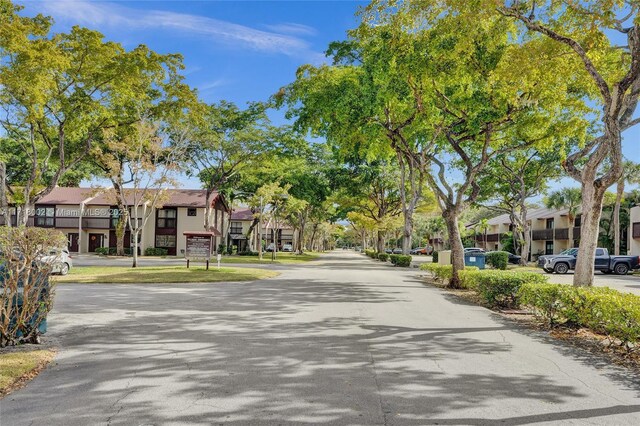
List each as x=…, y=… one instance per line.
x=616, y=217
x=4, y=199
x=592, y=199
x=457, y=249
x=134, y=250
x=22, y=213
x=526, y=245
x=380, y=242
x=121, y=228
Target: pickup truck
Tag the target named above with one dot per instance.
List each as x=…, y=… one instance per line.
x=566, y=261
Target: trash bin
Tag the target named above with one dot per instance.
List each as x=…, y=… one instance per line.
x=444, y=257
x=474, y=259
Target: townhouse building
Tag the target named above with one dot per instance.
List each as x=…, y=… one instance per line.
x=88, y=217
x=241, y=221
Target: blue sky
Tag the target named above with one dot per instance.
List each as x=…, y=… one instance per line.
x=240, y=51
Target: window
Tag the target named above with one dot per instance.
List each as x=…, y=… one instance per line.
x=636, y=230
x=599, y=252
x=115, y=216
x=166, y=218
x=578, y=220
x=192, y=211
x=45, y=216
x=236, y=227
x=550, y=223
x=548, y=247
x=165, y=241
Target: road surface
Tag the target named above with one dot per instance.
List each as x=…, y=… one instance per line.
x=342, y=340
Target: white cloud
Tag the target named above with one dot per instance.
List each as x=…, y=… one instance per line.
x=292, y=28
x=98, y=15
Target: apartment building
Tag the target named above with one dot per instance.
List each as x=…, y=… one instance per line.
x=549, y=231
x=241, y=220
x=88, y=217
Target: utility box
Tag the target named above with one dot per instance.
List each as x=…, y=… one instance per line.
x=444, y=257
x=474, y=259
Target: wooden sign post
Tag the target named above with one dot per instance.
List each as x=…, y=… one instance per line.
x=198, y=247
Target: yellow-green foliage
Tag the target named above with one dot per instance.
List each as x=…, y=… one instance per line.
x=442, y=273
x=600, y=309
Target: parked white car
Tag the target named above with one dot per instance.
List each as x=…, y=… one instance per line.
x=287, y=247
x=60, y=261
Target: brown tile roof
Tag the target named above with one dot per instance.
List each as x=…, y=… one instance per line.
x=106, y=197
x=68, y=196
x=174, y=198
x=242, y=214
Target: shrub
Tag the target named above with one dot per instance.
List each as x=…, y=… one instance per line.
x=371, y=253
x=401, y=260
x=435, y=256
x=498, y=259
x=247, y=253
x=26, y=295
x=439, y=273
x=383, y=257
x=154, y=251
x=601, y=309
x=442, y=273
x=500, y=288
x=102, y=251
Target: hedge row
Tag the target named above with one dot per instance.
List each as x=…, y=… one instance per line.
x=498, y=288
x=371, y=253
x=401, y=260
x=383, y=257
x=153, y=251
x=442, y=273
x=112, y=251
x=601, y=309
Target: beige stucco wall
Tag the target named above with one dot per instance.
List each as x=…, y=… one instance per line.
x=634, y=243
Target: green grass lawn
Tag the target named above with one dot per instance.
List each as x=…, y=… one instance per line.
x=17, y=367
x=161, y=274
x=281, y=258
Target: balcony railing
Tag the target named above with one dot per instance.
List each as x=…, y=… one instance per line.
x=542, y=234
x=493, y=238
x=576, y=233
x=67, y=222
x=96, y=222
x=562, y=233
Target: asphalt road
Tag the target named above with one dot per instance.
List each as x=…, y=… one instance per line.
x=625, y=283
x=342, y=340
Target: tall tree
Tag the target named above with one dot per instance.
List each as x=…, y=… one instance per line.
x=226, y=140
x=630, y=174
x=577, y=34
x=59, y=92
x=511, y=181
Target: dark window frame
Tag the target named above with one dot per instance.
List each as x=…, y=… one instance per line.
x=46, y=220
x=166, y=222
x=192, y=211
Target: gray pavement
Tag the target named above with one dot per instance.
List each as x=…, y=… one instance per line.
x=625, y=283
x=342, y=340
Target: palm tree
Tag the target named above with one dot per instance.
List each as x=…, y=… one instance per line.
x=630, y=174
x=569, y=199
